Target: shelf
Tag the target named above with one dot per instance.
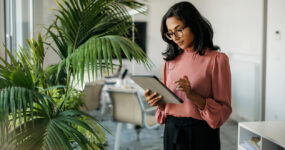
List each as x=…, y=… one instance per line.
x=271, y=133
x=241, y=148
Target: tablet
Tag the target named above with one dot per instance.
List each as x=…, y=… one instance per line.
x=155, y=85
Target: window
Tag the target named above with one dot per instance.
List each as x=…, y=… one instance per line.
x=2, y=35
x=18, y=23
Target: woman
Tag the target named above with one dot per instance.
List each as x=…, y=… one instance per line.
x=197, y=73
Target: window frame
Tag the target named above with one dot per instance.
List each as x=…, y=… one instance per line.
x=2, y=29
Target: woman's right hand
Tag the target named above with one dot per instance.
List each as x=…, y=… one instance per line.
x=153, y=99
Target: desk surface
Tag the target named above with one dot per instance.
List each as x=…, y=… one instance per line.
x=271, y=130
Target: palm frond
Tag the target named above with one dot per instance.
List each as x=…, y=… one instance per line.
x=14, y=101
x=26, y=137
x=29, y=131
x=79, y=20
x=17, y=74
x=55, y=133
x=101, y=51
x=46, y=135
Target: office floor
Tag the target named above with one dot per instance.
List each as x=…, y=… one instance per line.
x=152, y=139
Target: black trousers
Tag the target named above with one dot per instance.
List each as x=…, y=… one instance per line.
x=190, y=134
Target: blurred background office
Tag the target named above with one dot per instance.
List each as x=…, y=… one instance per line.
x=251, y=33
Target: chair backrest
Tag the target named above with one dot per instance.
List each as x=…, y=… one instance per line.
x=91, y=97
x=127, y=108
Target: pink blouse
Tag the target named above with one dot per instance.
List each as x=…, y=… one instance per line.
x=210, y=77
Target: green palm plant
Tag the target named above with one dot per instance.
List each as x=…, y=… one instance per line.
x=87, y=34
x=30, y=118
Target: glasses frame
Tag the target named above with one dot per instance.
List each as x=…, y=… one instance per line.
x=175, y=33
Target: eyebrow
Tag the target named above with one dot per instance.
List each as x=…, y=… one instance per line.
x=175, y=27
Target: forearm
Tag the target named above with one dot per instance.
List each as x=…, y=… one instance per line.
x=197, y=99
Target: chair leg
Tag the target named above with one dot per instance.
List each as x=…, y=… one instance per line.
x=138, y=130
x=118, y=132
x=103, y=103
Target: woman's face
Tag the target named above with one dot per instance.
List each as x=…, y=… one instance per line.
x=186, y=40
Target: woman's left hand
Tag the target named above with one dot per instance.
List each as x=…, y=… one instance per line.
x=184, y=85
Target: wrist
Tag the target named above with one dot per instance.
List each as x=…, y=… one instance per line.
x=190, y=94
x=198, y=100
x=161, y=106
x=202, y=104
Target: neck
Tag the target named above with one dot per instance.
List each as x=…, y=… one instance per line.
x=189, y=49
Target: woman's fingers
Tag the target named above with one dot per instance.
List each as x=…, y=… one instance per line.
x=151, y=96
x=154, y=101
x=146, y=92
x=182, y=81
x=179, y=81
x=183, y=84
x=183, y=88
x=180, y=85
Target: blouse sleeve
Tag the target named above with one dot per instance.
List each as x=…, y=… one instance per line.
x=160, y=114
x=218, y=108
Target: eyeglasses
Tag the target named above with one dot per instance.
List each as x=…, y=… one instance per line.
x=178, y=33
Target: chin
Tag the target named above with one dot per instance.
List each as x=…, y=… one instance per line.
x=182, y=47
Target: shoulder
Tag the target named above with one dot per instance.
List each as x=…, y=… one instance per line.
x=217, y=55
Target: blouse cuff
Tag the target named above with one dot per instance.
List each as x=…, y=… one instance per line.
x=160, y=116
x=207, y=105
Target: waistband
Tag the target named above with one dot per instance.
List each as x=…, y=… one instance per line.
x=185, y=121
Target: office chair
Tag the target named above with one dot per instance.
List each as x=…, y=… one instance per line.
x=92, y=93
x=128, y=107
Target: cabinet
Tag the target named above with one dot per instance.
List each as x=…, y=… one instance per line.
x=270, y=133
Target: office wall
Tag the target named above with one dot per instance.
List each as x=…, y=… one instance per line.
x=275, y=95
x=238, y=31
x=44, y=16
x=2, y=36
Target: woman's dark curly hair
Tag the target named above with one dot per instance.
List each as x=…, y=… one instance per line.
x=200, y=27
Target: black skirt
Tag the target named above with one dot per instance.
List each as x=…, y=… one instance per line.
x=190, y=134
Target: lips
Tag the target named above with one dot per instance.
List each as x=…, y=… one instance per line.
x=180, y=43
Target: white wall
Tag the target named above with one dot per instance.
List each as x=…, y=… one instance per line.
x=275, y=82
x=238, y=31
x=2, y=54
x=44, y=16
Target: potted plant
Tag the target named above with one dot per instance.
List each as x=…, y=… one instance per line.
x=35, y=110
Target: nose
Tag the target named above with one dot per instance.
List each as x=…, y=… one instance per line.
x=175, y=38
